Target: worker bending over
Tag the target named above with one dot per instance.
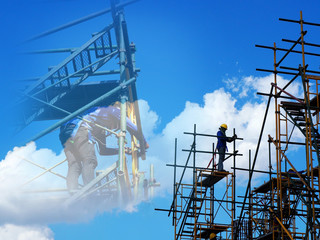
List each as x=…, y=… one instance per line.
x=78, y=137
x=222, y=145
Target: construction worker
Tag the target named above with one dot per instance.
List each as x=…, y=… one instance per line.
x=78, y=136
x=222, y=144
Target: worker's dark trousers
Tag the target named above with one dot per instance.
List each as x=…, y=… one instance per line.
x=222, y=153
x=81, y=158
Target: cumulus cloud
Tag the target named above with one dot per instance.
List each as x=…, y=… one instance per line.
x=16, y=232
x=219, y=106
x=31, y=197
x=249, y=85
x=149, y=118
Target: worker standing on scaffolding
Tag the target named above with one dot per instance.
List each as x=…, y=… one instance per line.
x=222, y=145
x=78, y=137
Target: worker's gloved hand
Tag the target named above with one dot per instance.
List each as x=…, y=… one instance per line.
x=235, y=136
x=127, y=150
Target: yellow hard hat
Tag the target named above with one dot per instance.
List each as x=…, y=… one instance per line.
x=224, y=126
x=212, y=235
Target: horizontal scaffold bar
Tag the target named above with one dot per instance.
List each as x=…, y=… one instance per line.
x=183, y=166
x=100, y=73
x=288, y=50
x=305, y=43
x=272, y=95
x=69, y=50
x=75, y=22
x=206, y=135
x=299, y=21
x=83, y=109
x=294, y=143
x=277, y=72
x=213, y=200
x=260, y=171
x=210, y=152
x=177, y=211
x=297, y=69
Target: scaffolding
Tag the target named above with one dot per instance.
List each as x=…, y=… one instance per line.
x=196, y=206
x=287, y=204
x=64, y=93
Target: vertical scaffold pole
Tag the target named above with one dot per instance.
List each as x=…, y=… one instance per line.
x=310, y=135
x=194, y=163
x=270, y=176
x=212, y=188
x=278, y=140
x=174, y=182
x=123, y=178
x=253, y=165
x=133, y=116
x=123, y=100
x=250, y=202
x=234, y=177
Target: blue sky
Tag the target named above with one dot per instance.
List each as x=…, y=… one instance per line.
x=185, y=49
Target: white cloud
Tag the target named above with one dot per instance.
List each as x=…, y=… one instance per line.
x=149, y=118
x=25, y=202
x=219, y=106
x=16, y=232
x=232, y=84
x=23, y=199
x=249, y=85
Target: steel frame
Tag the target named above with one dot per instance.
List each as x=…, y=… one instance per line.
x=195, y=206
x=61, y=80
x=287, y=205
x=288, y=202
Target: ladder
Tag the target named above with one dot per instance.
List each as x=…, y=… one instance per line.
x=64, y=77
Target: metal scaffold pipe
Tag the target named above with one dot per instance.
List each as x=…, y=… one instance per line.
x=81, y=20
x=81, y=110
x=254, y=163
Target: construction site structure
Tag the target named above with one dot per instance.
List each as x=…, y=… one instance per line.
x=70, y=88
x=287, y=204
x=198, y=210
